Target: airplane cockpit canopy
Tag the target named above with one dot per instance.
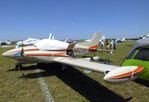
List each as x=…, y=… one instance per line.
x=141, y=43
x=140, y=50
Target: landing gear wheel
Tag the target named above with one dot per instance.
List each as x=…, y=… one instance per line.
x=18, y=67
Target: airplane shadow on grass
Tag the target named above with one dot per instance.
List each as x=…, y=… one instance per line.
x=32, y=67
x=87, y=87
x=142, y=82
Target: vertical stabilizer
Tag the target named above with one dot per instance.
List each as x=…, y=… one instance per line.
x=92, y=43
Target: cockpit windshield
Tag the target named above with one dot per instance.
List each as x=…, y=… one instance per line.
x=132, y=54
x=140, y=54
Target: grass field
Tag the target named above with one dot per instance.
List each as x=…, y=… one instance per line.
x=71, y=85
x=13, y=88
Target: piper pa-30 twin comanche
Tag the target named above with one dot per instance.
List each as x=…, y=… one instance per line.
x=48, y=51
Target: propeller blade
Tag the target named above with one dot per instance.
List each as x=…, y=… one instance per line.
x=22, y=51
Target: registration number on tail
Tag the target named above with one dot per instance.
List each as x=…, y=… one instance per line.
x=80, y=50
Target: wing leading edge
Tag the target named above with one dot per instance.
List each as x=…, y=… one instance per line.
x=84, y=63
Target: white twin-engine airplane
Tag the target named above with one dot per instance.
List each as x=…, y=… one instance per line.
x=47, y=51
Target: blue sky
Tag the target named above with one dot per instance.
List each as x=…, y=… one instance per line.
x=20, y=19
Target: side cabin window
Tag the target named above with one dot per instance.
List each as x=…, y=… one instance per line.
x=142, y=54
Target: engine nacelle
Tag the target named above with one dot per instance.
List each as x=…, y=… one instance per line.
x=123, y=74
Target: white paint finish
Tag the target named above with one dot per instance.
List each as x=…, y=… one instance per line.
x=29, y=41
x=84, y=63
x=47, y=44
x=120, y=71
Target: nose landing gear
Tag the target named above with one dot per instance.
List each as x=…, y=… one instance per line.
x=18, y=67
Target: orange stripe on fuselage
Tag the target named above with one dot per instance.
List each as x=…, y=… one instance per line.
x=139, y=69
x=47, y=54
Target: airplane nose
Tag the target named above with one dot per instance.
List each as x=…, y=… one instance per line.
x=4, y=54
x=11, y=53
x=8, y=54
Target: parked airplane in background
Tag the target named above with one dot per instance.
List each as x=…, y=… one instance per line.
x=144, y=36
x=120, y=39
x=61, y=52
x=31, y=41
x=5, y=42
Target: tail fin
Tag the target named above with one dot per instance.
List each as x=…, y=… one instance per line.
x=85, y=47
x=51, y=36
x=92, y=43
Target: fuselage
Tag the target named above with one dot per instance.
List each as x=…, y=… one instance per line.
x=45, y=48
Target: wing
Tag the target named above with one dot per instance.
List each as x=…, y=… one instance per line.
x=84, y=63
x=77, y=62
x=113, y=74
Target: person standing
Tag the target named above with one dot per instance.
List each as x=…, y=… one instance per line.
x=102, y=44
x=114, y=44
x=107, y=44
x=111, y=44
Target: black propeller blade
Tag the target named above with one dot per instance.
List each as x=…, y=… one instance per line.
x=22, y=50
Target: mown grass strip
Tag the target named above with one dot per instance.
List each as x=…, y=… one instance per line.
x=44, y=88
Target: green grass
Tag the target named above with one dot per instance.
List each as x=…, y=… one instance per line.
x=13, y=88
x=71, y=85
x=120, y=54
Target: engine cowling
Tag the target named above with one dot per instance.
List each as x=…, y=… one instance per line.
x=123, y=74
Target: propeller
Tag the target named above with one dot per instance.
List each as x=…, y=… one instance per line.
x=22, y=50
